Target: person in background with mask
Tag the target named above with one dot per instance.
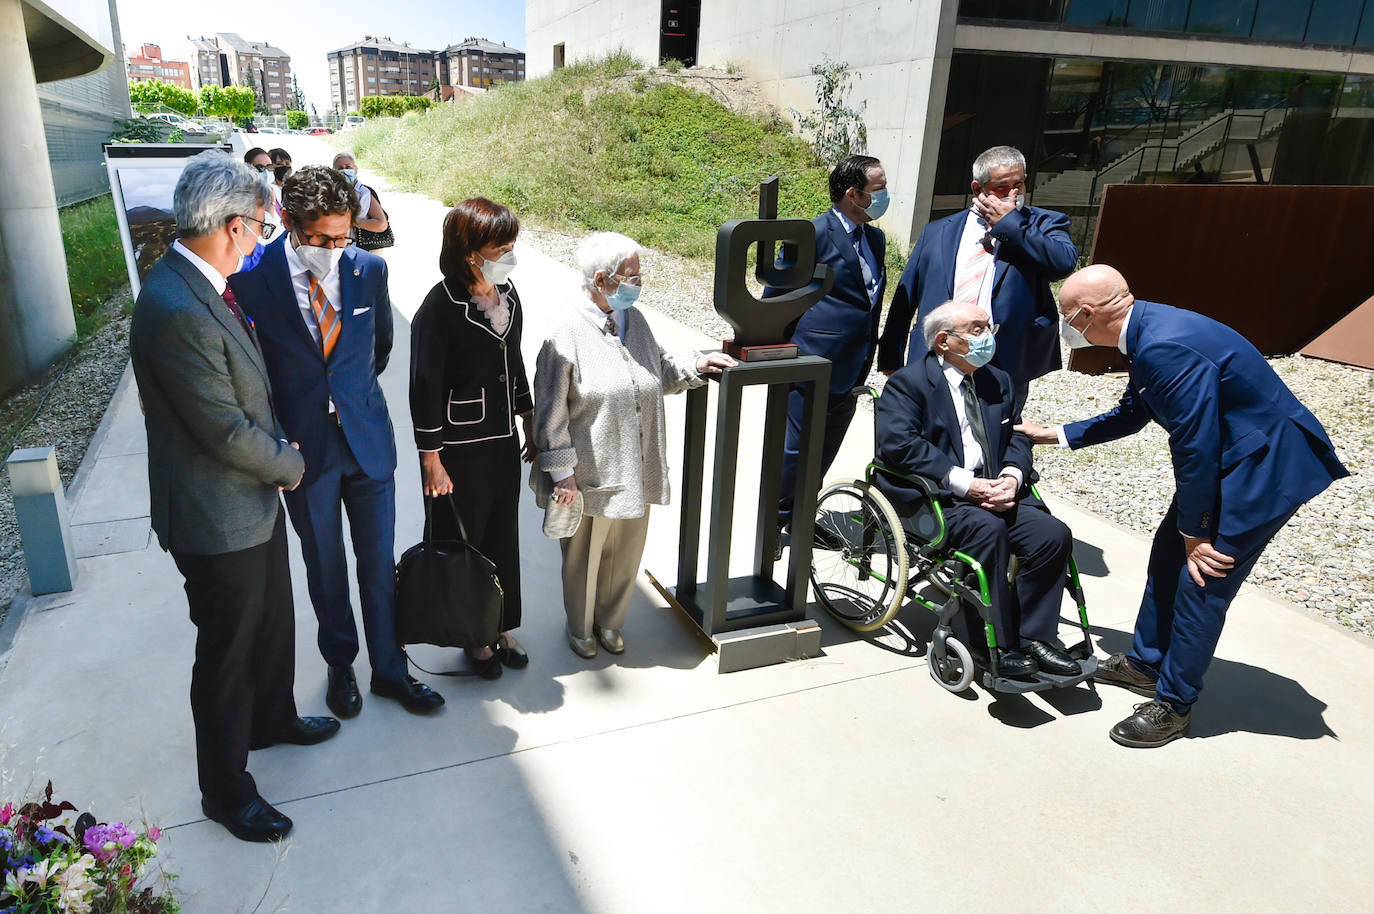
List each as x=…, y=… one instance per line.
x=261, y=161
x=599, y=427
x=217, y=459
x=324, y=317
x=1000, y=254
x=371, y=216
x=467, y=386
x=842, y=326
x=281, y=170
x=949, y=417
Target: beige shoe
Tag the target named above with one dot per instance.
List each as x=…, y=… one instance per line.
x=582, y=647
x=610, y=639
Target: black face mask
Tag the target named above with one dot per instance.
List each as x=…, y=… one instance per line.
x=282, y=172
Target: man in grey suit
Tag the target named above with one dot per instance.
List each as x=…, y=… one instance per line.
x=216, y=463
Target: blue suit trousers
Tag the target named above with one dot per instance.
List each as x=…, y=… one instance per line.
x=1179, y=623
x=317, y=515
x=839, y=412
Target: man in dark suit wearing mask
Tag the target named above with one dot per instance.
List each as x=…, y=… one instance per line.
x=843, y=326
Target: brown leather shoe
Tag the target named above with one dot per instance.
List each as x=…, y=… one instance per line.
x=1154, y=723
x=1117, y=670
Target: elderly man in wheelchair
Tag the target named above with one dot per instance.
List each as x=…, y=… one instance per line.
x=955, y=492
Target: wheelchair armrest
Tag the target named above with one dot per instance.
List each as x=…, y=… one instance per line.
x=928, y=486
x=864, y=390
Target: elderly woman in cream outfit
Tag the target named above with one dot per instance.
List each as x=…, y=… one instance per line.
x=598, y=422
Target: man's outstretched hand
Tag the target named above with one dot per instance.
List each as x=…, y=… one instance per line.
x=1038, y=434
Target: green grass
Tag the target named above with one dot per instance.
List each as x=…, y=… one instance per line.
x=584, y=148
x=95, y=258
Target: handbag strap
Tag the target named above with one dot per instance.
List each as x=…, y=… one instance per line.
x=429, y=520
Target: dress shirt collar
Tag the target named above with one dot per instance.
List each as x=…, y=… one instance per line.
x=598, y=317
x=1121, y=342
x=845, y=222
x=216, y=278
x=953, y=375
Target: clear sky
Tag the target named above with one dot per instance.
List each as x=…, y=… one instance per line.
x=308, y=31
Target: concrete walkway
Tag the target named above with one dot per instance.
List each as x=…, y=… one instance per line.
x=850, y=782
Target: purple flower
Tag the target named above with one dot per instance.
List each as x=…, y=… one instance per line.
x=106, y=841
x=45, y=835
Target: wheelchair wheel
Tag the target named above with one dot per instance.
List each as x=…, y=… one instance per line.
x=955, y=670
x=858, y=560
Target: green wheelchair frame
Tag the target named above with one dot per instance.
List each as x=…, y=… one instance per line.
x=863, y=580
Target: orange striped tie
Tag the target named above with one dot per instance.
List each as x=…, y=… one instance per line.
x=326, y=318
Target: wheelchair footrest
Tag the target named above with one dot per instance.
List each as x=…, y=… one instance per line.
x=1042, y=681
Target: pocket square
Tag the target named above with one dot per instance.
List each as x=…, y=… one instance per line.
x=357, y=311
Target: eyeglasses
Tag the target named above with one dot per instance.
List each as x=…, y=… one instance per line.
x=325, y=241
x=262, y=168
x=266, y=229
x=630, y=280
x=976, y=331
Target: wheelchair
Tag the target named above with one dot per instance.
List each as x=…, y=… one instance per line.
x=867, y=561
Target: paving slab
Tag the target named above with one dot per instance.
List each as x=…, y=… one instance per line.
x=847, y=782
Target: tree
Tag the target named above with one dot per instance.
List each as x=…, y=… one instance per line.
x=296, y=94
x=149, y=95
x=238, y=103
x=297, y=120
x=212, y=101
x=259, y=97
x=836, y=129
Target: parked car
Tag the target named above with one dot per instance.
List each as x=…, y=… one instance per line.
x=317, y=131
x=353, y=121
x=178, y=123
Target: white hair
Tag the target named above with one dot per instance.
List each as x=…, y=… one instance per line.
x=343, y=154
x=604, y=252
x=997, y=157
x=214, y=187
x=943, y=319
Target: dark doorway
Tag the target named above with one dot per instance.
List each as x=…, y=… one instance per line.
x=558, y=54
x=677, y=37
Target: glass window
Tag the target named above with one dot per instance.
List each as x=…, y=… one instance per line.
x=1333, y=21
x=1222, y=17
x=1158, y=15
x=1096, y=12
x=1021, y=10
x=1365, y=37
x=1281, y=20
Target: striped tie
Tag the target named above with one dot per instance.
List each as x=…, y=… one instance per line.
x=975, y=269
x=326, y=318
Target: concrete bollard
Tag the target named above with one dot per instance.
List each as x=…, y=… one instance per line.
x=40, y=504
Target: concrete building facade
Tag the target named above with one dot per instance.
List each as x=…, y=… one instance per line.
x=149, y=64
x=206, y=63
x=480, y=63
x=264, y=67
x=1093, y=91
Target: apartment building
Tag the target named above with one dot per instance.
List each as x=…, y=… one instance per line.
x=379, y=66
x=207, y=63
x=148, y=64
x=480, y=63
x=265, y=67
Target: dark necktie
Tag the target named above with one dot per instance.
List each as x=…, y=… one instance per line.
x=974, y=410
x=610, y=324
x=234, y=307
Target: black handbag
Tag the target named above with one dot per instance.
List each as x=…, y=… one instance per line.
x=375, y=241
x=447, y=593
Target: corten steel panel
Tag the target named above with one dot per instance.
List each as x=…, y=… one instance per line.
x=1280, y=264
x=1351, y=341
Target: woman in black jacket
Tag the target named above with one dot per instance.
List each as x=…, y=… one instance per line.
x=467, y=385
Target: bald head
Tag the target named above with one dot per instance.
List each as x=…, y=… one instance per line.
x=1095, y=301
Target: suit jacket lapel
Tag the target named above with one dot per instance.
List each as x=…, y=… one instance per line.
x=844, y=242
x=942, y=404
x=994, y=410
x=954, y=231
x=218, y=308
x=282, y=292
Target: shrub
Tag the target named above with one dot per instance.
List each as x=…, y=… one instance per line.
x=95, y=258
x=297, y=120
x=836, y=129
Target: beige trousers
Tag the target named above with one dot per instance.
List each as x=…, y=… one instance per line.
x=600, y=562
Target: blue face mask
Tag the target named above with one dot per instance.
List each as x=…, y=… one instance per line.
x=981, y=349
x=878, y=206
x=349, y=174
x=624, y=298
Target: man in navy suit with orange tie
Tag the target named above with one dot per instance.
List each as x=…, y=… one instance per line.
x=1001, y=255
x=843, y=326
x=1246, y=456
x=323, y=316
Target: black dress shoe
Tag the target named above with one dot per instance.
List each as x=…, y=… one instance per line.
x=1016, y=665
x=1051, y=659
x=306, y=731
x=414, y=696
x=1118, y=671
x=255, y=821
x=512, y=654
x=1154, y=724
x=490, y=668
x=341, y=694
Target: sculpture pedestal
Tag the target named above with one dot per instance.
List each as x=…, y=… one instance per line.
x=751, y=620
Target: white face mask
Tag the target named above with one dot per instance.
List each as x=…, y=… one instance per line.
x=498, y=271
x=319, y=261
x=1072, y=338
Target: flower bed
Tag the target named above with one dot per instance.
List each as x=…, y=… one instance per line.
x=88, y=867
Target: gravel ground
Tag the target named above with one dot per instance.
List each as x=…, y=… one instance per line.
x=70, y=416
x=1323, y=560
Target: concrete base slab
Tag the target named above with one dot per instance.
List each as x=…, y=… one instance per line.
x=750, y=648
x=117, y=489
x=111, y=538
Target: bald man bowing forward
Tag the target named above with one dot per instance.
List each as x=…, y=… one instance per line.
x=1246, y=456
